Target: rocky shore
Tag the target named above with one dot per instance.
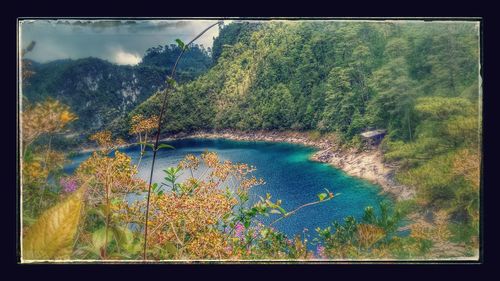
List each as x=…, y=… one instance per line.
x=367, y=164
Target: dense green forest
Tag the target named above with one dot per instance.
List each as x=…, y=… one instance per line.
x=334, y=76
x=195, y=61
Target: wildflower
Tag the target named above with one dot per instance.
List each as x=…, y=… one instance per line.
x=143, y=125
x=190, y=162
x=239, y=230
x=47, y=117
x=67, y=116
x=320, y=252
x=247, y=183
x=256, y=230
x=68, y=184
x=210, y=158
x=103, y=139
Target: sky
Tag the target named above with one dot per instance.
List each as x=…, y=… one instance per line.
x=118, y=41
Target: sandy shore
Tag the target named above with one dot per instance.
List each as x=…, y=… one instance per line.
x=366, y=164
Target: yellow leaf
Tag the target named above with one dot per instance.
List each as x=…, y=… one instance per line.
x=52, y=235
x=99, y=238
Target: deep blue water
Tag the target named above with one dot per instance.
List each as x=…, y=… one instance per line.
x=288, y=173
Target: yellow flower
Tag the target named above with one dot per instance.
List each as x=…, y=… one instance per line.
x=65, y=116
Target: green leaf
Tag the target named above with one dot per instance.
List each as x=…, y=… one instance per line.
x=99, y=238
x=52, y=235
x=123, y=236
x=165, y=146
x=146, y=144
x=171, y=249
x=96, y=211
x=281, y=210
x=134, y=248
x=115, y=201
x=322, y=196
x=180, y=43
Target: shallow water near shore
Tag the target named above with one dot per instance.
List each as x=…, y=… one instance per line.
x=288, y=173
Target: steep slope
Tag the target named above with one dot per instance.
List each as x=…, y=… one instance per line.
x=329, y=76
x=100, y=92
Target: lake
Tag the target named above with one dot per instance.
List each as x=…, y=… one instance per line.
x=288, y=173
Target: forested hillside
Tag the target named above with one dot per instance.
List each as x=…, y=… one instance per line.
x=329, y=76
x=417, y=80
x=100, y=92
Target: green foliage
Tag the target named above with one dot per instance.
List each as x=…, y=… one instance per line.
x=462, y=232
x=405, y=207
x=156, y=189
x=180, y=44
x=164, y=146
x=434, y=179
x=195, y=61
x=388, y=219
x=171, y=81
x=322, y=196
x=171, y=176
x=372, y=237
x=152, y=147
x=102, y=93
x=331, y=77
x=231, y=34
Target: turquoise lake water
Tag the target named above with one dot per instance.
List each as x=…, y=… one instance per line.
x=288, y=173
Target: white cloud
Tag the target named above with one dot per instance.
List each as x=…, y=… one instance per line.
x=116, y=41
x=122, y=57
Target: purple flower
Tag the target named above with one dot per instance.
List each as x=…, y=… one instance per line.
x=239, y=230
x=68, y=184
x=320, y=251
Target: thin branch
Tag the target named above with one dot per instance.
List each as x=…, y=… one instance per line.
x=175, y=233
x=300, y=207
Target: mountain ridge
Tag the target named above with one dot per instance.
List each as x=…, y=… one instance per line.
x=99, y=91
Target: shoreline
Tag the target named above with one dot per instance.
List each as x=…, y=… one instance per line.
x=366, y=164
